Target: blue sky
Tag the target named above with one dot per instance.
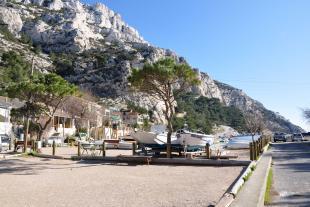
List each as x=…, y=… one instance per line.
x=261, y=47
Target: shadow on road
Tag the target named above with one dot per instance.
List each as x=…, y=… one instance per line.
x=300, y=200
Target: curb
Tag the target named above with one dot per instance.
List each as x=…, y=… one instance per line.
x=227, y=199
x=50, y=156
x=263, y=188
x=165, y=161
x=252, y=193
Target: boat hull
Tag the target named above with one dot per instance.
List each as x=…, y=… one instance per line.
x=191, y=140
x=240, y=142
x=153, y=138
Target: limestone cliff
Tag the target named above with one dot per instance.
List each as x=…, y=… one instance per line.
x=91, y=46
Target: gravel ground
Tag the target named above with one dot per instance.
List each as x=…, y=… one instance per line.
x=29, y=181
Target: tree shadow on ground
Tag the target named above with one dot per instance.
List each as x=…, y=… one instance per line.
x=300, y=200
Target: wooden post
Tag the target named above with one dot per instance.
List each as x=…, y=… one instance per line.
x=79, y=149
x=207, y=149
x=103, y=149
x=134, y=145
x=255, y=150
x=54, y=147
x=26, y=136
x=15, y=145
x=32, y=145
x=10, y=144
x=251, y=151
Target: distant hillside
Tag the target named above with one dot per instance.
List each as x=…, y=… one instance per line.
x=91, y=46
x=203, y=114
x=273, y=121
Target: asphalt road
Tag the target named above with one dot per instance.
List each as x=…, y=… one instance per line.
x=291, y=170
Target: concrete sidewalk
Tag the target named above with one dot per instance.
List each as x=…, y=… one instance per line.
x=253, y=191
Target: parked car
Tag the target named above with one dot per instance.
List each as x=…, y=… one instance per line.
x=298, y=137
x=280, y=137
x=56, y=136
x=4, y=141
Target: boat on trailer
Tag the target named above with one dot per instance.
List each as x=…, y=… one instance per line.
x=241, y=142
x=182, y=140
x=194, y=139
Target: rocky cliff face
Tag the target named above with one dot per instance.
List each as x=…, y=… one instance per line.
x=273, y=121
x=91, y=46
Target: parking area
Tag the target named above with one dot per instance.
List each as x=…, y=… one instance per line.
x=35, y=182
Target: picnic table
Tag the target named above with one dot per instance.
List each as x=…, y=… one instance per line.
x=91, y=147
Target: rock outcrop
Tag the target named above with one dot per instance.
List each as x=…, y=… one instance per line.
x=6, y=17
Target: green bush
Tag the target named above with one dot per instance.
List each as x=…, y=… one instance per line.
x=203, y=113
x=6, y=33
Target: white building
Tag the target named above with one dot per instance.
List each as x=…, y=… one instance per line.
x=5, y=124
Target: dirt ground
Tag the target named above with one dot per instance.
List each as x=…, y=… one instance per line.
x=28, y=181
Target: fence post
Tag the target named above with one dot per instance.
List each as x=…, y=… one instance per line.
x=207, y=149
x=54, y=147
x=134, y=145
x=32, y=145
x=79, y=149
x=36, y=146
x=15, y=145
x=103, y=149
x=251, y=151
x=255, y=150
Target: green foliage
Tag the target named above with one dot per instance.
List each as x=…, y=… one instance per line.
x=131, y=105
x=43, y=95
x=247, y=177
x=13, y=68
x=43, y=88
x=83, y=130
x=157, y=79
x=135, y=125
x=63, y=64
x=146, y=125
x=6, y=33
x=24, y=38
x=268, y=187
x=202, y=113
x=37, y=49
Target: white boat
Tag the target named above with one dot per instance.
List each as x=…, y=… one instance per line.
x=153, y=138
x=188, y=138
x=241, y=142
x=143, y=137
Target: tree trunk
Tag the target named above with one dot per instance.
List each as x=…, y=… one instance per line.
x=26, y=135
x=169, y=139
x=40, y=134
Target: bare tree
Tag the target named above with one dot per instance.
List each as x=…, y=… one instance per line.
x=254, y=123
x=83, y=111
x=306, y=113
